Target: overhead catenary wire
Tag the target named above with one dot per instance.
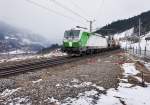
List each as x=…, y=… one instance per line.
x=51, y=10
x=100, y=9
x=65, y=8
x=78, y=7
x=99, y=12
x=68, y=9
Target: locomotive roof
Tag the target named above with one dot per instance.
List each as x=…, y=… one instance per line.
x=98, y=35
x=84, y=30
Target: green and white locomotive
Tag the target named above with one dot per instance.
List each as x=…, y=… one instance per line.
x=79, y=42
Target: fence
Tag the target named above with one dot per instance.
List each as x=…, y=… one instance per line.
x=138, y=52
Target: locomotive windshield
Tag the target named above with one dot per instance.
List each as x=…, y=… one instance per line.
x=72, y=34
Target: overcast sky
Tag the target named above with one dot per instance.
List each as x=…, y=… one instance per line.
x=29, y=16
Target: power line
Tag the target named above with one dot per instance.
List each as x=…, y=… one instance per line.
x=48, y=9
x=68, y=9
x=51, y=10
x=77, y=6
x=100, y=8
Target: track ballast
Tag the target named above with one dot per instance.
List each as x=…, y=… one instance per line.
x=40, y=64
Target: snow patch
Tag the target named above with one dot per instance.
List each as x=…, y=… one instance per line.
x=125, y=93
x=53, y=101
x=75, y=80
x=147, y=65
x=82, y=99
x=58, y=85
x=129, y=69
x=8, y=92
x=131, y=96
x=83, y=84
x=55, y=53
x=19, y=101
x=19, y=57
x=37, y=81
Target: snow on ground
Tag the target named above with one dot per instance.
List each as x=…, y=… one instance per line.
x=19, y=101
x=15, y=52
x=124, y=34
x=126, y=93
x=52, y=100
x=147, y=65
x=83, y=84
x=55, y=53
x=124, y=44
x=143, y=43
x=133, y=48
x=37, y=81
x=8, y=92
x=130, y=95
x=136, y=95
x=24, y=57
x=83, y=99
x=75, y=83
x=127, y=44
x=14, y=101
x=129, y=69
x=119, y=36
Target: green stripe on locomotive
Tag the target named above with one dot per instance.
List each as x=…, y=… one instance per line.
x=84, y=39
x=77, y=43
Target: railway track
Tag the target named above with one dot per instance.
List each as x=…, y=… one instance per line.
x=24, y=67
x=39, y=64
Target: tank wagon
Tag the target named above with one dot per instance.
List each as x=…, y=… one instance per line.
x=80, y=42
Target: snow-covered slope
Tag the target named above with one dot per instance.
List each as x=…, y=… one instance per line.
x=143, y=43
x=19, y=55
x=14, y=38
x=124, y=34
x=128, y=44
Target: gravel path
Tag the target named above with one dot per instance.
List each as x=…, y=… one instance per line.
x=65, y=81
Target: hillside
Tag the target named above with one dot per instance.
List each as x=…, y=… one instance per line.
x=49, y=49
x=12, y=38
x=126, y=24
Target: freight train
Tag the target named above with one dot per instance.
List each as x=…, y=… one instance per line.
x=80, y=42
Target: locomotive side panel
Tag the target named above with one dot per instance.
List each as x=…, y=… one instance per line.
x=97, y=42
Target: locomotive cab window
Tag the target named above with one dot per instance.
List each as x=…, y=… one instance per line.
x=72, y=34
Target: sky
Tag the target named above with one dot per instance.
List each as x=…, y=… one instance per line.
x=56, y=16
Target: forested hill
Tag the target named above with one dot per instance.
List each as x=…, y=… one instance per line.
x=12, y=38
x=123, y=25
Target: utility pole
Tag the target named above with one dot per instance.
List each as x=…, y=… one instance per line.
x=139, y=34
x=91, y=24
x=126, y=48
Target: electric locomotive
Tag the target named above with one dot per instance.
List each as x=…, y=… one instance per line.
x=79, y=42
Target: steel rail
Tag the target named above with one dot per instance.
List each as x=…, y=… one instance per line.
x=44, y=63
x=29, y=63
x=35, y=66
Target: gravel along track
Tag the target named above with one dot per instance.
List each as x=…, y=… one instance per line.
x=67, y=80
x=18, y=68
x=38, y=64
